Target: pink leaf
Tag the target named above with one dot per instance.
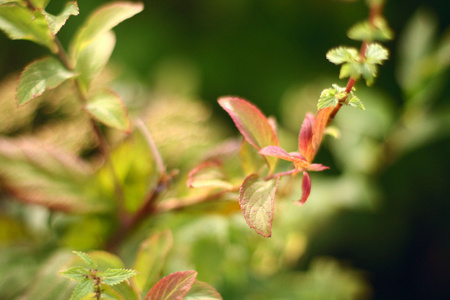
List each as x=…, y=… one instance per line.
x=306, y=188
x=305, y=138
x=277, y=152
x=319, y=126
x=250, y=121
x=257, y=200
x=172, y=287
x=317, y=167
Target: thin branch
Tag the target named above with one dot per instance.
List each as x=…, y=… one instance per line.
x=151, y=143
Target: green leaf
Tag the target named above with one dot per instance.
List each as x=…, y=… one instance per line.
x=331, y=96
x=42, y=174
x=75, y=273
x=365, y=31
x=101, y=21
x=172, y=287
x=40, y=76
x=93, y=58
x=87, y=259
x=19, y=23
x=40, y=3
x=369, y=72
x=252, y=124
x=354, y=101
x=108, y=108
x=251, y=160
x=150, y=259
x=352, y=69
x=83, y=289
x=56, y=22
x=208, y=174
x=115, y=276
x=342, y=55
x=202, y=291
x=376, y=54
x=257, y=200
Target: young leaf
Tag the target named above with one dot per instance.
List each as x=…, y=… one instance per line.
x=378, y=30
x=251, y=161
x=257, y=200
x=115, y=276
x=101, y=21
x=108, y=108
x=342, y=55
x=330, y=97
x=306, y=188
x=83, y=289
x=94, y=57
x=172, y=287
x=202, y=291
x=208, y=174
x=87, y=259
x=252, y=124
x=56, y=22
x=305, y=137
x=75, y=273
x=319, y=126
x=355, y=102
x=40, y=3
x=376, y=54
x=20, y=23
x=40, y=76
x=150, y=259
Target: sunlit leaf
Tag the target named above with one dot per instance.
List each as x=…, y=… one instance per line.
x=108, y=108
x=208, y=174
x=102, y=20
x=150, y=260
x=257, y=200
x=56, y=22
x=330, y=97
x=251, y=161
x=342, y=55
x=377, y=30
x=306, y=188
x=172, y=287
x=83, y=289
x=252, y=124
x=94, y=57
x=20, y=23
x=40, y=76
x=40, y=3
x=376, y=54
x=87, y=259
x=305, y=137
x=319, y=126
x=202, y=291
x=116, y=276
x=75, y=273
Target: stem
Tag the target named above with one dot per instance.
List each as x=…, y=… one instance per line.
x=151, y=143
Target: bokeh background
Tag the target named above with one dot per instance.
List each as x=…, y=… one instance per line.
x=272, y=52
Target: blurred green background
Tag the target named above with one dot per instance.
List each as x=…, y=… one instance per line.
x=273, y=54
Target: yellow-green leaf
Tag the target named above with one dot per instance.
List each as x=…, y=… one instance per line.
x=56, y=22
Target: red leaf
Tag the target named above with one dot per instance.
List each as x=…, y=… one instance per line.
x=319, y=126
x=306, y=188
x=257, y=200
x=317, y=167
x=250, y=121
x=305, y=138
x=172, y=287
x=277, y=152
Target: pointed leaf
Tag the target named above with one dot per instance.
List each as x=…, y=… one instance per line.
x=116, y=276
x=40, y=76
x=87, y=259
x=150, y=260
x=319, y=126
x=101, y=21
x=75, y=273
x=305, y=137
x=376, y=54
x=257, y=200
x=276, y=152
x=202, y=291
x=94, y=57
x=355, y=102
x=306, y=188
x=251, y=160
x=56, y=22
x=108, y=108
x=342, y=55
x=208, y=174
x=83, y=289
x=20, y=23
x=378, y=30
x=172, y=287
x=252, y=124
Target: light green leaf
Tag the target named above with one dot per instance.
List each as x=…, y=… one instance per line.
x=101, y=21
x=376, y=54
x=364, y=31
x=40, y=3
x=352, y=69
x=115, y=276
x=40, y=76
x=257, y=200
x=355, y=102
x=369, y=72
x=342, y=54
x=83, y=289
x=331, y=96
x=75, y=273
x=208, y=174
x=19, y=23
x=56, y=22
x=108, y=108
x=150, y=259
x=87, y=259
x=94, y=57
x=202, y=291
x=251, y=160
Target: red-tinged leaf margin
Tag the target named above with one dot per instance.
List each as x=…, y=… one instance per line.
x=258, y=212
x=201, y=176
x=295, y=157
x=319, y=127
x=172, y=287
x=306, y=188
x=305, y=137
x=202, y=291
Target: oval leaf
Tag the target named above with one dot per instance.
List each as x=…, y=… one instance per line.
x=108, y=108
x=56, y=22
x=101, y=21
x=252, y=124
x=202, y=291
x=172, y=287
x=257, y=200
x=208, y=174
x=40, y=76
